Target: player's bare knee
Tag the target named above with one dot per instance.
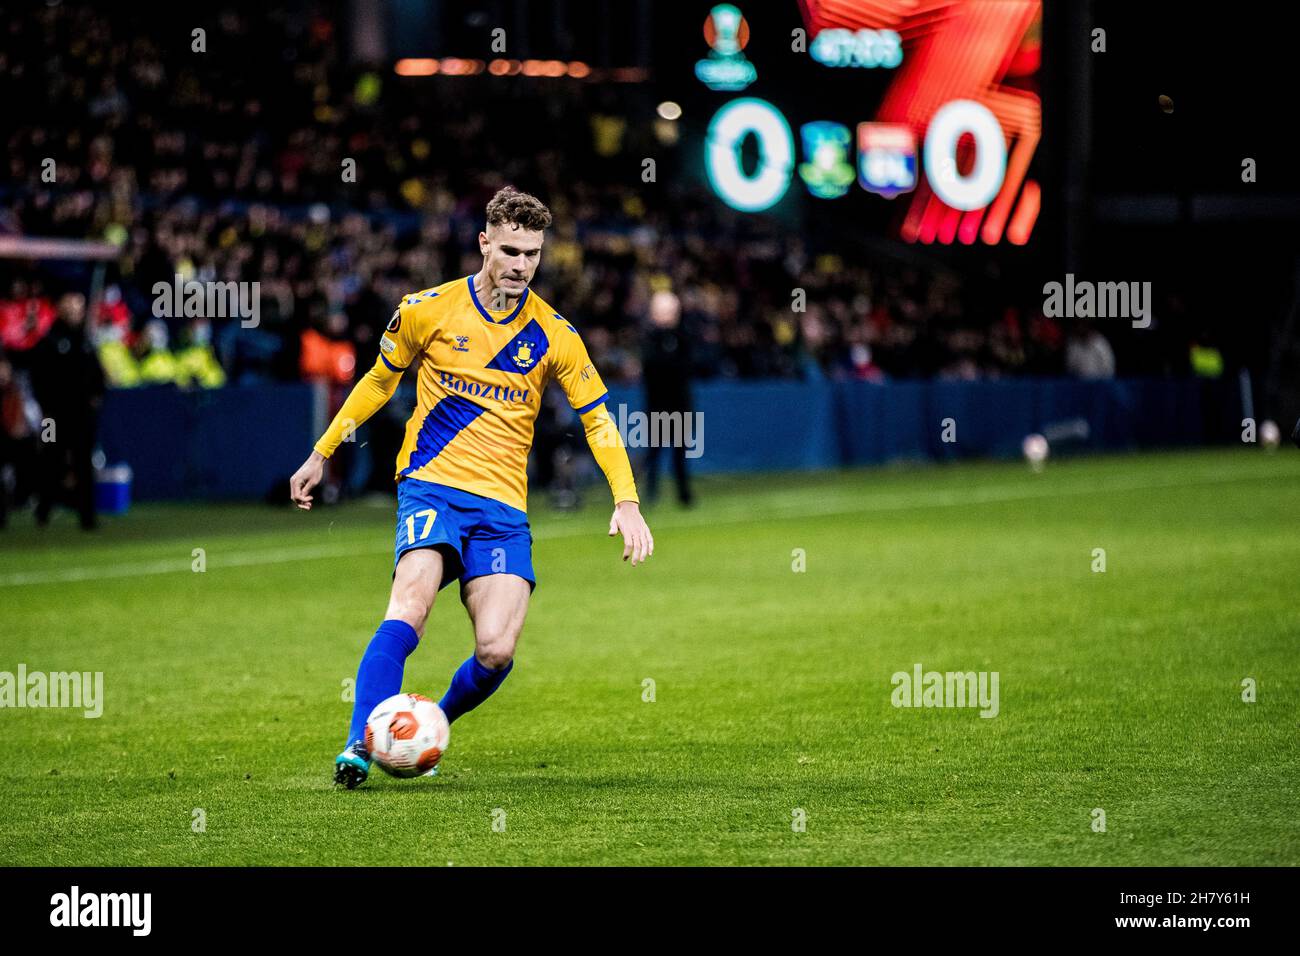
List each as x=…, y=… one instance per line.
x=494, y=658
x=411, y=607
x=494, y=647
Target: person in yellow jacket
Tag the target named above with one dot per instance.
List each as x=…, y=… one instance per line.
x=158, y=365
x=197, y=362
x=120, y=368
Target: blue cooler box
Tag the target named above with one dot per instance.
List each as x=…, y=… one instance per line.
x=113, y=490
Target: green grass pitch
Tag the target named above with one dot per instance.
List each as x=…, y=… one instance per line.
x=1119, y=691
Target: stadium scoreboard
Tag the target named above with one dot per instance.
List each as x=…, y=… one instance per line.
x=928, y=104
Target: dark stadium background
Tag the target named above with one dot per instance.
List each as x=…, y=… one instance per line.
x=283, y=93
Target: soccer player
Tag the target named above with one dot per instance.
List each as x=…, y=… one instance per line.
x=486, y=346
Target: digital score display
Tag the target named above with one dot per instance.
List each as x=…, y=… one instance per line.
x=954, y=132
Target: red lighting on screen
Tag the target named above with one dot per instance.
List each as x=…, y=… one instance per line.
x=958, y=49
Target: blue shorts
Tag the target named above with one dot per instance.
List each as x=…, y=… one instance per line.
x=475, y=535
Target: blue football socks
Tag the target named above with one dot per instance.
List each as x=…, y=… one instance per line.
x=380, y=674
x=470, y=686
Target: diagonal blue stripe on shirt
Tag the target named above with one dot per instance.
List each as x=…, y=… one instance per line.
x=444, y=422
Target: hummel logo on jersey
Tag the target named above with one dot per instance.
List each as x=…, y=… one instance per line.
x=462, y=344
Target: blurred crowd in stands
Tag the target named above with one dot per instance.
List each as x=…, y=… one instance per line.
x=266, y=158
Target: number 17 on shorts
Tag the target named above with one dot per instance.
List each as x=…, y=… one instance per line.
x=423, y=519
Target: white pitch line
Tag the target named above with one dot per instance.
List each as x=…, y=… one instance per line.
x=133, y=569
x=947, y=498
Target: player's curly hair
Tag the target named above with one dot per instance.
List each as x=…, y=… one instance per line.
x=515, y=208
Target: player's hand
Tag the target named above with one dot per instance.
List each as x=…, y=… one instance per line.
x=305, y=479
x=638, y=543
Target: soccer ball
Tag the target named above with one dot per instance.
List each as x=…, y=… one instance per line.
x=407, y=734
x=1036, y=450
x=1270, y=436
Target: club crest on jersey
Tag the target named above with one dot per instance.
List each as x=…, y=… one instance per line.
x=523, y=356
x=523, y=352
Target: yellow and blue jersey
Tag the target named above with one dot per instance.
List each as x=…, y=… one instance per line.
x=480, y=377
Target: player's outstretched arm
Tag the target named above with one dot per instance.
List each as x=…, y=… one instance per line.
x=607, y=447
x=367, y=397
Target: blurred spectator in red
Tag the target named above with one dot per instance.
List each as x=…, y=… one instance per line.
x=328, y=356
x=862, y=365
x=25, y=317
x=113, y=310
x=17, y=450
